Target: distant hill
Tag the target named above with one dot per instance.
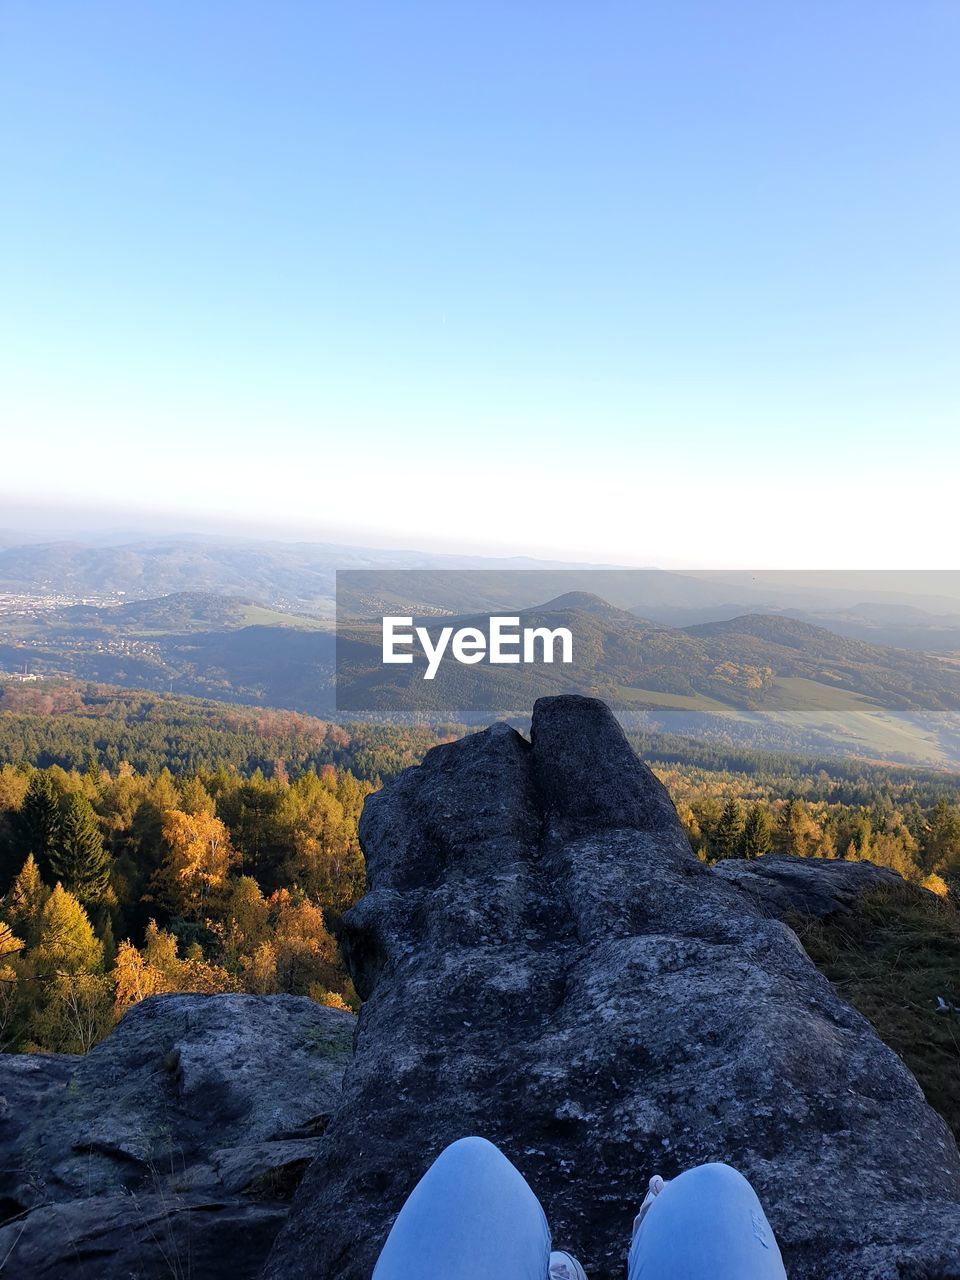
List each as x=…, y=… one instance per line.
x=901, y=626
x=281, y=575
x=919, y=611
x=182, y=611
x=295, y=576
x=760, y=679
x=587, y=602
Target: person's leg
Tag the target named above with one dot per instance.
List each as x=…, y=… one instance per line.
x=471, y=1216
x=707, y=1224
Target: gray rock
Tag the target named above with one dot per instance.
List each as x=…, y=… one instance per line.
x=546, y=963
x=148, y=1236
x=28, y=1083
x=820, y=887
x=265, y=1168
x=183, y=1135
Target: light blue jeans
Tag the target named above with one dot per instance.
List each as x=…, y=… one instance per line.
x=472, y=1216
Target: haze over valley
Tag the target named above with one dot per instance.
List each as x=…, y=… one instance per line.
x=840, y=664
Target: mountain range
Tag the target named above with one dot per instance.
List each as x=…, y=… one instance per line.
x=760, y=679
x=915, y=610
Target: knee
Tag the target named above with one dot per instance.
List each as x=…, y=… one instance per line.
x=713, y=1183
x=716, y=1176
x=471, y=1153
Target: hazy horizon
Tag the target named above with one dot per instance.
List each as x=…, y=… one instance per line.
x=930, y=590
x=671, y=286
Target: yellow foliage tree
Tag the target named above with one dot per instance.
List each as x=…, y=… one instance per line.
x=332, y=999
x=199, y=859
x=160, y=951
x=10, y=948
x=203, y=976
x=76, y=1013
x=67, y=943
x=74, y=1010
x=24, y=902
x=306, y=952
x=936, y=884
x=134, y=978
x=245, y=920
x=13, y=788
x=259, y=970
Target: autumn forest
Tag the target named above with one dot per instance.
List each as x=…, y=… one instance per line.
x=152, y=844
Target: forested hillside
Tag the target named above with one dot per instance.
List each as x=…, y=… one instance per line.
x=72, y=725
x=761, y=680
x=117, y=885
x=152, y=843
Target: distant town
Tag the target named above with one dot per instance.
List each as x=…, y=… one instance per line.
x=19, y=609
x=15, y=604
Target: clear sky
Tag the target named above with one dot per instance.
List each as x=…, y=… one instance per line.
x=656, y=283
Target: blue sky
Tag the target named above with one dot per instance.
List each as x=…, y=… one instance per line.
x=665, y=283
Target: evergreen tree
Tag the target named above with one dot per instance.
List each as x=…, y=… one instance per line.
x=194, y=797
x=108, y=942
x=78, y=858
x=37, y=825
x=942, y=843
x=756, y=839
x=728, y=835
x=797, y=833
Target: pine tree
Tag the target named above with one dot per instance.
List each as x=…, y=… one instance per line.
x=756, y=839
x=78, y=858
x=108, y=942
x=194, y=797
x=942, y=843
x=37, y=825
x=797, y=833
x=729, y=831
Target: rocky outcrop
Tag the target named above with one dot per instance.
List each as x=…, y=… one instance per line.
x=174, y=1147
x=821, y=887
x=545, y=963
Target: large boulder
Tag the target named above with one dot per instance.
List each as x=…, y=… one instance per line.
x=821, y=887
x=174, y=1147
x=545, y=963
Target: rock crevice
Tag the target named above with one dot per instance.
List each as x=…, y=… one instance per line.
x=547, y=964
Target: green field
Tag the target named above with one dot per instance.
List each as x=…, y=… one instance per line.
x=850, y=719
x=697, y=702
x=246, y=615
x=807, y=704
x=257, y=615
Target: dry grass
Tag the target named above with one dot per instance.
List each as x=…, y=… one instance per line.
x=894, y=959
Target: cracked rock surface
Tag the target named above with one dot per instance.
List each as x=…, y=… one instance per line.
x=173, y=1148
x=544, y=962
x=782, y=885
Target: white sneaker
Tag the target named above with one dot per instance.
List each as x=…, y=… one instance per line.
x=563, y=1266
x=656, y=1186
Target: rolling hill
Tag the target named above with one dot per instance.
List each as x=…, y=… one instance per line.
x=759, y=679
